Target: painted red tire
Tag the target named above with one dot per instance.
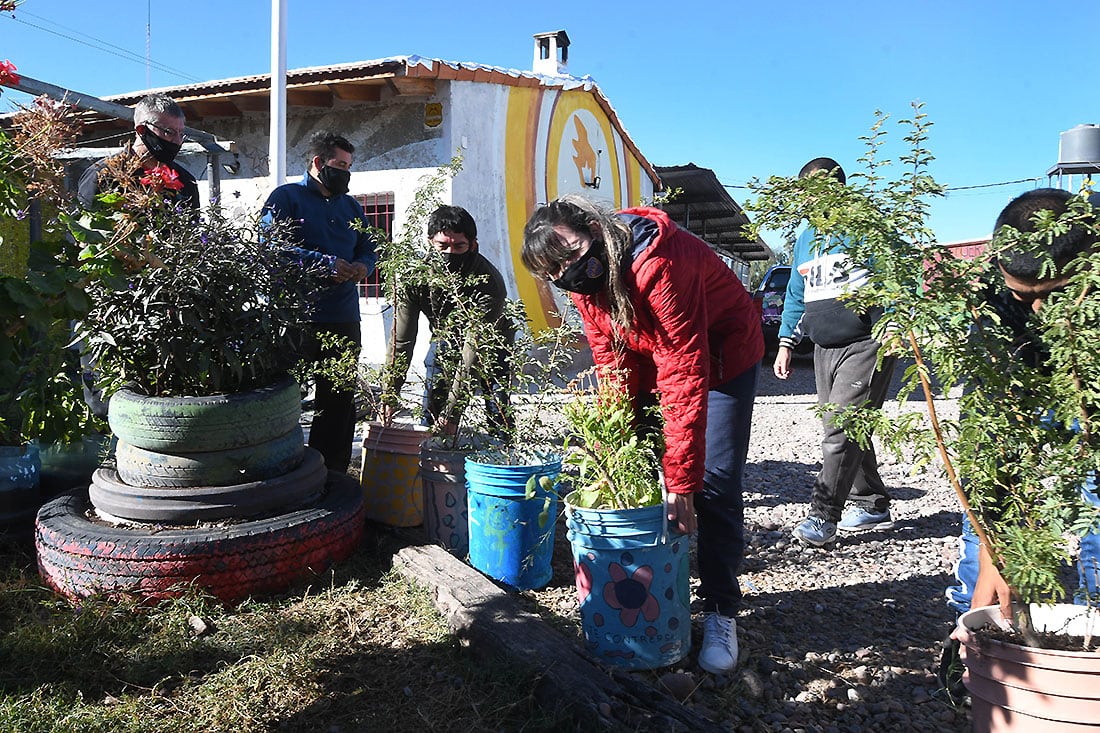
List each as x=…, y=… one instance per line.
x=141, y=467
x=210, y=423
x=186, y=505
x=79, y=556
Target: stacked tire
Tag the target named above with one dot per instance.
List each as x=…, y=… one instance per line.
x=237, y=460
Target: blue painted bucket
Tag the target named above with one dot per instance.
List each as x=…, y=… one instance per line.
x=20, y=470
x=511, y=537
x=632, y=585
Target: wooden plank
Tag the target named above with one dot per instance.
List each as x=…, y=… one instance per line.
x=411, y=86
x=312, y=97
x=490, y=622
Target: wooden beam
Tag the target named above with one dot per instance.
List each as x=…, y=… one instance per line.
x=309, y=97
x=253, y=102
x=214, y=108
x=413, y=87
x=358, y=92
x=491, y=622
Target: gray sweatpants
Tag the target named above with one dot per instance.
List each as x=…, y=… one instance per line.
x=846, y=375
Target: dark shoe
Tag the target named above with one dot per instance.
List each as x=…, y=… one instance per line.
x=950, y=675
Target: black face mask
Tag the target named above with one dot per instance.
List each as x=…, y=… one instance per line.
x=334, y=179
x=588, y=275
x=456, y=260
x=164, y=151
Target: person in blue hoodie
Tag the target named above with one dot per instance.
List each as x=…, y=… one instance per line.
x=331, y=230
x=845, y=358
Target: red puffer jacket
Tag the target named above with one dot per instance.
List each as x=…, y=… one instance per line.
x=694, y=328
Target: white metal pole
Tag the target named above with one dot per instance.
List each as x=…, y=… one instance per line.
x=277, y=150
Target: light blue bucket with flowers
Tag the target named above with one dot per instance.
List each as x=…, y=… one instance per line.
x=511, y=536
x=632, y=585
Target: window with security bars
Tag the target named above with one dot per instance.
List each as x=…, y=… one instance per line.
x=378, y=208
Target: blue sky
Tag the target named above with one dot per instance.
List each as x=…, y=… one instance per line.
x=747, y=89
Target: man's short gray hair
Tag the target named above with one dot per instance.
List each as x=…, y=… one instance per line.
x=153, y=106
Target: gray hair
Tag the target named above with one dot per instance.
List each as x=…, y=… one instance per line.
x=153, y=106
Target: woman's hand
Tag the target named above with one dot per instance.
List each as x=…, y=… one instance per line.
x=681, y=512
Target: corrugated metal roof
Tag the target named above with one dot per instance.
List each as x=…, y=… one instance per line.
x=705, y=208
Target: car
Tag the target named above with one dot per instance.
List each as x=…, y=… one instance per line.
x=768, y=299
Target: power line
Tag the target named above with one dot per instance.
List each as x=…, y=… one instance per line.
x=991, y=185
x=101, y=45
x=948, y=188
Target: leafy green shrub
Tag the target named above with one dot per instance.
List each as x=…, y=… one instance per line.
x=183, y=304
x=1025, y=438
x=619, y=465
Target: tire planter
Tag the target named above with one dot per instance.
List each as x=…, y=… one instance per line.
x=1020, y=688
x=211, y=423
x=184, y=505
x=79, y=556
x=392, y=493
x=632, y=585
x=443, y=479
x=141, y=467
x=20, y=469
x=511, y=537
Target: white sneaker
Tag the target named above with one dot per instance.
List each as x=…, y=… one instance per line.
x=719, y=652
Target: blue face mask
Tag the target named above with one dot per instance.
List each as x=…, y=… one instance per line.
x=588, y=275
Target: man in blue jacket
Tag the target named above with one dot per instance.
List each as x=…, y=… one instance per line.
x=845, y=358
x=327, y=221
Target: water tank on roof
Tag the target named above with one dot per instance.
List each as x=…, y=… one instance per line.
x=1080, y=144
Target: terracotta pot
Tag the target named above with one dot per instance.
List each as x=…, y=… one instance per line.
x=1021, y=688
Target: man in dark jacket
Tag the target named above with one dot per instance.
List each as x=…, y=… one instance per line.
x=452, y=232
x=331, y=228
x=158, y=135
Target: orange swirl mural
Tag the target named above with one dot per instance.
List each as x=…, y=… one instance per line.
x=559, y=142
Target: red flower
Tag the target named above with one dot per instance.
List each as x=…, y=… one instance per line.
x=630, y=595
x=8, y=77
x=162, y=177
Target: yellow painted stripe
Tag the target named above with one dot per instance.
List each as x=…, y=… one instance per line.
x=519, y=176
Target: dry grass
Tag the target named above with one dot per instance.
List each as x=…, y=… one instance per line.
x=357, y=650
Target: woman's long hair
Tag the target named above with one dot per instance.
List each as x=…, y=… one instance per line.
x=544, y=251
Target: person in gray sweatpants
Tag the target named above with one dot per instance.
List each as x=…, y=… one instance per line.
x=845, y=358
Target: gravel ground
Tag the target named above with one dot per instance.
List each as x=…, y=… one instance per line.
x=846, y=639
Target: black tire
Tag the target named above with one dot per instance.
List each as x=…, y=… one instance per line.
x=184, y=505
x=140, y=467
x=80, y=556
x=211, y=423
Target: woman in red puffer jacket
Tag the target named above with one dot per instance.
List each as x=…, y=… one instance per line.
x=658, y=303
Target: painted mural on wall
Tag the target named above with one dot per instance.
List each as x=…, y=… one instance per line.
x=560, y=142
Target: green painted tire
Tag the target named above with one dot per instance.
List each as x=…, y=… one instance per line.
x=184, y=505
x=140, y=467
x=210, y=423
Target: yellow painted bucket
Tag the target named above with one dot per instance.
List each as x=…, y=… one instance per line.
x=392, y=492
